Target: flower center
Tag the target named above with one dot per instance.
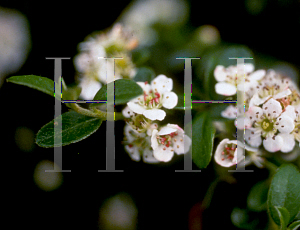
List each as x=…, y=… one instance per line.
x=166, y=139
x=139, y=122
x=266, y=125
x=152, y=100
x=228, y=152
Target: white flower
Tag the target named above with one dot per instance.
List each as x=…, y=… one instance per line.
x=138, y=144
x=168, y=140
x=254, y=156
x=232, y=78
x=228, y=154
x=272, y=85
x=155, y=96
x=15, y=41
x=267, y=121
x=230, y=112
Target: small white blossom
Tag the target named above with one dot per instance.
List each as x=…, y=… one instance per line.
x=156, y=95
x=228, y=153
x=267, y=122
x=232, y=78
x=138, y=144
x=116, y=42
x=168, y=140
x=230, y=112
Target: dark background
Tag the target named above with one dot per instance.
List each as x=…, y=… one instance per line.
x=163, y=198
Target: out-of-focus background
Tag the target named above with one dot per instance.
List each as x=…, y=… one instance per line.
x=143, y=196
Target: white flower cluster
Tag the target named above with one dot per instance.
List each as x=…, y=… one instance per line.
x=116, y=42
x=271, y=104
x=145, y=138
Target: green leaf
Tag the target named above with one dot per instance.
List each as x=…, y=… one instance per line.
x=75, y=127
x=144, y=74
x=257, y=198
x=284, y=217
x=43, y=84
x=220, y=56
x=125, y=90
x=295, y=225
x=203, y=133
x=285, y=192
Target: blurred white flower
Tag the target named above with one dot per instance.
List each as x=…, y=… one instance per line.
x=116, y=42
x=47, y=181
x=118, y=213
x=141, y=15
x=15, y=41
x=156, y=95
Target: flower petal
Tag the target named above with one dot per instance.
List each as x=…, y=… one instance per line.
x=253, y=137
x=127, y=112
x=220, y=73
x=273, y=145
x=89, y=88
x=154, y=114
x=225, y=89
x=273, y=108
x=170, y=100
x=162, y=84
x=257, y=75
x=230, y=112
x=133, y=152
x=285, y=124
x=282, y=94
x=154, y=143
x=166, y=130
x=163, y=153
x=148, y=157
x=136, y=107
x=256, y=100
x=289, y=142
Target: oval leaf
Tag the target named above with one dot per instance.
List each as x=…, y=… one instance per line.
x=285, y=192
x=42, y=84
x=75, y=127
x=284, y=217
x=125, y=90
x=203, y=133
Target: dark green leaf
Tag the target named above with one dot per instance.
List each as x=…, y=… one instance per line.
x=125, y=90
x=43, y=84
x=75, y=127
x=203, y=133
x=295, y=225
x=285, y=192
x=257, y=198
x=144, y=74
x=284, y=217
